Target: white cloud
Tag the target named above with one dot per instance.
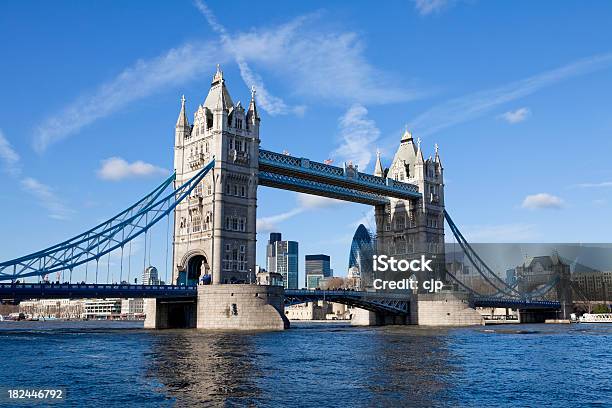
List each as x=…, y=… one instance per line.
x=177, y=66
x=270, y=103
x=426, y=7
x=305, y=202
x=313, y=201
x=516, y=116
x=542, y=200
x=47, y=198
x=595, y=185
x=116, y=168
x=474, y=105
x=320, y=63
x=9, y=157
x=267, y=224
x=44, y=194
x=357, y=134
x=497, y=233
x=315, y=62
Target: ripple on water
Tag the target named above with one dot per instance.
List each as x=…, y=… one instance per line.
x=106, y=364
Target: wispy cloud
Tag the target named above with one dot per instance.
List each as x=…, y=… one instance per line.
x=116, y=168
x=47, y=198
x=267, y=224
x=320, y=63
x=9, y=157
x=595, y=185
x=358, y=134
x=474, y=105
x=270, y=103
x=426, y=7
x=305, y=202
x=313, y=201
x=515, y=116
x=44, y=194
x=177, y=66
x=542, y=201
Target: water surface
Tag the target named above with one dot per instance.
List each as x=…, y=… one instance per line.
x=109, y=364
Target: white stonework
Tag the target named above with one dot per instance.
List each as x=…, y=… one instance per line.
x=407, y=229
x=217, y=221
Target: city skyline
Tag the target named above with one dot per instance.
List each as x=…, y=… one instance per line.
x=97, y=136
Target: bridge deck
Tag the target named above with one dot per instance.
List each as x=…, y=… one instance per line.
x=23, y=291
x=284, y=171
x=394, y=303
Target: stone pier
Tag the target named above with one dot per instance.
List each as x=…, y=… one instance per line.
x=440, y=309
x=241, y=307
x=221, y=307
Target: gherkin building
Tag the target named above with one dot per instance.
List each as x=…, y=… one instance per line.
x=363, y=248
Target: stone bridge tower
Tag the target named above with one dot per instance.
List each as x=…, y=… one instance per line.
x=407, y=229
x=214, y=228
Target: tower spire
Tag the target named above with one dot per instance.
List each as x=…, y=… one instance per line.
x=378, y=169
x=252, y=112
x=419, y=153
x=407, y=136
x=182, y=120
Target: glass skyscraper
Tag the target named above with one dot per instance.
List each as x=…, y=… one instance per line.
x=361, y=255
x=282, y=257
x=317, y=268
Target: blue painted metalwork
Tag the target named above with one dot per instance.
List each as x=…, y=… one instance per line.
x=286, y=182
x=20, y=291
x=483, y=301
x=302, y=168
x=389, y=303
x=106, y=237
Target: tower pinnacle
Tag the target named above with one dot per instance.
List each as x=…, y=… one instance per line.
x=407, y=136
x=182, y=120
x=378, y=169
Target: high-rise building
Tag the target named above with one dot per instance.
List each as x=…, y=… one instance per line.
x=150, y=276
x=361, y=255
x=317, y=268
x=282, y=257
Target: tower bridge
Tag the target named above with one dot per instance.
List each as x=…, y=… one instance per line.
x=212, y=198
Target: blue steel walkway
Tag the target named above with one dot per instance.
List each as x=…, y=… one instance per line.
x=22, y=291
x=394, y=303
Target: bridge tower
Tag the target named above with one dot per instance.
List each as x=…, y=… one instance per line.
x=214, y=229
x=407, y=229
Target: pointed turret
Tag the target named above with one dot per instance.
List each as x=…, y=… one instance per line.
x=218, y=96
x=182, y=121
x=252, y=113
x=378, y=169
x=407, y=136
x=419, y=152
x=221, y=103
x=437, y=156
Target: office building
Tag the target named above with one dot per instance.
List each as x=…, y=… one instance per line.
x=282, y=258
x=150, y=276
x=317, y=268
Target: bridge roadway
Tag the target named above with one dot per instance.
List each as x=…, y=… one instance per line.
x=392, y=303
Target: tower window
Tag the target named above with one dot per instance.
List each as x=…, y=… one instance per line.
x=242, y=191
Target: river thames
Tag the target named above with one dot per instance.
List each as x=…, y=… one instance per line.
x=108, y=364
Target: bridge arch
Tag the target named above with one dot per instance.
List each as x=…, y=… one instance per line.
x=193, y=266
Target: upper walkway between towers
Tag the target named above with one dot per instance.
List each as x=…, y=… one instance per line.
x=344, y=183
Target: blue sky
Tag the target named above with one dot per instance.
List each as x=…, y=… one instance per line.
x=517, y=95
